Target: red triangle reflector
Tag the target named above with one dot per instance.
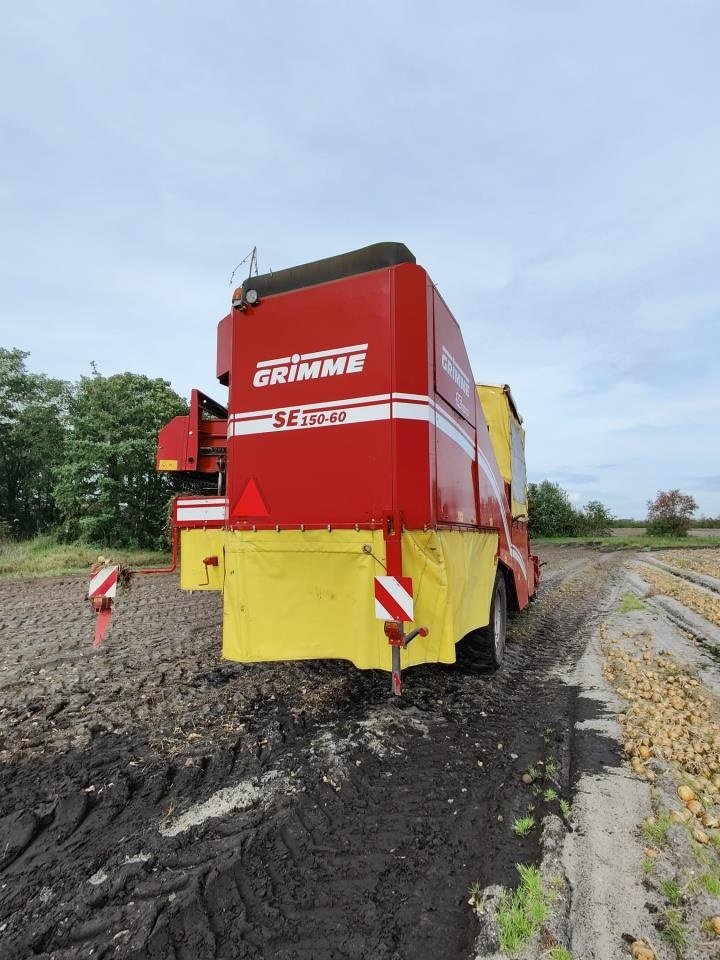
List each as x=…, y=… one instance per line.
x=251, y=502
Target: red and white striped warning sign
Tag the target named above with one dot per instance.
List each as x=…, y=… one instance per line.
x=103, y=583
x=394, y=598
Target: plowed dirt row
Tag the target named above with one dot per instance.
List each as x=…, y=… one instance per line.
x=347, y=827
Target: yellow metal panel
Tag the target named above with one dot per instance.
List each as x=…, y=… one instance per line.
x=518, y=487
x=292, y=596
x=497, y=414
x=195, y=546
x=167, y=465
x=508, y=441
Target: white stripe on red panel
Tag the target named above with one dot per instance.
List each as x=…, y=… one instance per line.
x=403, y=406
x=201, y=513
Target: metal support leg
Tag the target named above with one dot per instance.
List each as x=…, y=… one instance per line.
x=396, y=674
x=398, y=641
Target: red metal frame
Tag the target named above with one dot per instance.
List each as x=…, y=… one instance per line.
x=175, y=550
x=194, y=443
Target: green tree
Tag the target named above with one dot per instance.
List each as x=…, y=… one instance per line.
x=596, y=520
x=670, y=513
x=33, y=413
x=108, y=488
x=551, y=513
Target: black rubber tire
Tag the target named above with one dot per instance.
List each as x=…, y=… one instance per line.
x=481, y=649
x=494, y=636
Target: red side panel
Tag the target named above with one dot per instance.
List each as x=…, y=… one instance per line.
x=454, y=389
x=453, y=377
x=412, y=412
x=171, y=451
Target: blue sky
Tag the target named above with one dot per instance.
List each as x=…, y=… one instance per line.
x=554, y=166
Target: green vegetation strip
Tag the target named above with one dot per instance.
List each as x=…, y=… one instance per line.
x=674, y=930
x=45, y=557
x=523, y=911
x=641, y=542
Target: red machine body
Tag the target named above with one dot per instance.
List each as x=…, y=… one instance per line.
x=353, y=401
x=356, y=476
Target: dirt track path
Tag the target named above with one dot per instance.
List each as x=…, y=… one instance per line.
x=351, y=828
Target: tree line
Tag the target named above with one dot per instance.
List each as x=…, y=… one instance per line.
x=552, y=514
x=78, y=458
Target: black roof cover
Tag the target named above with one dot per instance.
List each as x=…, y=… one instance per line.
x=375, y=257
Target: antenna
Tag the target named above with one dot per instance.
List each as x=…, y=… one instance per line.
x=252, y=257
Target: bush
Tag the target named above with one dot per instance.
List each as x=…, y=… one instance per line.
x=551, y=513
x=670, y=513
x=596, y=520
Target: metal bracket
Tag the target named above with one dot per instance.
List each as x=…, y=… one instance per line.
x=398, y=641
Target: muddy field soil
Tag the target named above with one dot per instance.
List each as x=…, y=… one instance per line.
x=158, y=802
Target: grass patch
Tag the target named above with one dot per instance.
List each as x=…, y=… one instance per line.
x=565, y=808
x=674, y=930
x=671, y=891
x=522, y=911
x=474, y=892
x=523, y=825
x=655, y=830
x=704, y=857
x=43, y=556
x=647, y=865
x=549, y=795
x=630, y=602
x=551, y=767
x=710, y=882
x=559, y=953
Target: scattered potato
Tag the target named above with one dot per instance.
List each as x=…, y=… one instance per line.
x=705, y=561
x=700, y=836
x=641, y=950
x=670, y=717
x=696, y=599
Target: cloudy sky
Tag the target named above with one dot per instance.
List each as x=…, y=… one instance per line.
x=554, y=165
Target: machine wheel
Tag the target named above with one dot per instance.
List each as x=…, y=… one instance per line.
x=493, y=636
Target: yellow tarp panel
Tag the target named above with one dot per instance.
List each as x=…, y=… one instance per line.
x=518, y=486
x=297, y=596
x=195, y=546
x=508, y=440
x=497, y=414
